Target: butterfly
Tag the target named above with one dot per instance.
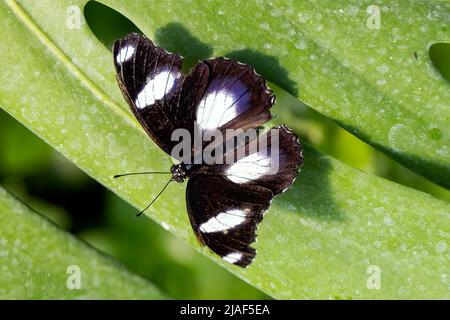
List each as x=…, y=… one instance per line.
x=225, y=201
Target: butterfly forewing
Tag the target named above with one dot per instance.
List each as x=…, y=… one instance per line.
x=217, y=93
x=161, y=97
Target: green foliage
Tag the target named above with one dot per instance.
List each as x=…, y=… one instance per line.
x=319, y=238
x=75, y=202
x=28, y=242
x=368, y=80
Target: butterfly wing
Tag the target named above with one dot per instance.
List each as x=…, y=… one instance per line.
x=225, y=215
x=271, y=161
x=161, y=97
x=236, y=97
x=226, y=202
x=217, y=93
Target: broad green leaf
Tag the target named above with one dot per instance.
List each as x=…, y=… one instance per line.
x=39, y=261
x=353, y=61
x=319, y=240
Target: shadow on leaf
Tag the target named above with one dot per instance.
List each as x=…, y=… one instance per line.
x=267, y=66
x=107, y=24
x=174, y=37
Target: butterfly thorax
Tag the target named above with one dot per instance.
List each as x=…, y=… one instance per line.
x=178, y=172
x=182, y=171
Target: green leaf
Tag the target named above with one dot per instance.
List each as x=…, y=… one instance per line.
x=319, y=240
x=380, y=84
x=39, y=261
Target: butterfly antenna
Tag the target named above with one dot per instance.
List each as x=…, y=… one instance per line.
x=136, y=173
x=157, y=196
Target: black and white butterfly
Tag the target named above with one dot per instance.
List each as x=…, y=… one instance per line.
x=225, y=202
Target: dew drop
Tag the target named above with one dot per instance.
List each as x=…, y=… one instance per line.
x=401, y=137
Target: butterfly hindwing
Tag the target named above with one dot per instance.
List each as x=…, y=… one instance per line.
x=271, y=161
x=226, y=201
x=225, y=216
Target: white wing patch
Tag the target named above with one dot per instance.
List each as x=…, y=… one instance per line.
x=156, y=88
x=219, y=105
x=233, y=257
x=250, y=168
x=125, y=54
x=224, y=221
x=215, y=109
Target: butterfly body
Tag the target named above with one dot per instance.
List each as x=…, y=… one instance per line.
x=179, y=172
x=225, y=200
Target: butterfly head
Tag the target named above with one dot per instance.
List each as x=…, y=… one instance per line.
x=178, y=172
